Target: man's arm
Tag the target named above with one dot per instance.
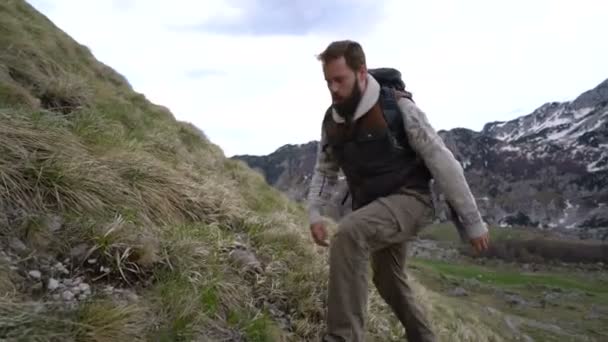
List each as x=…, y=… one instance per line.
x=445, y=169
x=323, y=182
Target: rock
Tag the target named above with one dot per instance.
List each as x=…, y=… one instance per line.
x=60, y=268
x=82, y=296
x=67, y=295
x=132, y=296
x=54, y=223
x=35, y=274
x=492, y=311
x=84, y=287
x=79, y=252
x=52, y=285
x=92, y=261
x=56, y=296
x=246, y=260
x=551, y=297
x=513, y=299
x=18, y=246
x=458, y=292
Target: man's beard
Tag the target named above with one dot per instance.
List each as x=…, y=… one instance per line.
x=347, y=108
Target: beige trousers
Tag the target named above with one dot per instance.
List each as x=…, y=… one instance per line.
x=379, y=231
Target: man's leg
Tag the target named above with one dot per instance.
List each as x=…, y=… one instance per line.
x=392, y=284
x=359, y=234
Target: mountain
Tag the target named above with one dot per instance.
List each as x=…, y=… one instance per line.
x=288, y=169
x=548, y=168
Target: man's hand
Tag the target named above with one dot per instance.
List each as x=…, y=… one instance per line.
x=319, y=234
x=481, y=243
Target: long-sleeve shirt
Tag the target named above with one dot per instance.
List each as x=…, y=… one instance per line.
x=443, y=166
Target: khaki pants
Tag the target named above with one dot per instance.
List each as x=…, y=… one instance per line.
x=380, y=232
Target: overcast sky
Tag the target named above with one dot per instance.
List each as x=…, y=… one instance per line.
x=245, y=71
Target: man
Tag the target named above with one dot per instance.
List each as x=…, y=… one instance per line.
x=388, y=177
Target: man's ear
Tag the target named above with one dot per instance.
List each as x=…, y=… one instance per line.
x=362, y=73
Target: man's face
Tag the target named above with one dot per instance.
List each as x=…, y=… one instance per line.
x=340, y=79
x=344, y=85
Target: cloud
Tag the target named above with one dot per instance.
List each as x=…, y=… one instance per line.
x=467, y=62
x=295, y=17
x=202, y=73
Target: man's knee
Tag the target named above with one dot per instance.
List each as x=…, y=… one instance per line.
x=350, y=232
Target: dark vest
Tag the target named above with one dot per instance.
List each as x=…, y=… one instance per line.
x=374, y=153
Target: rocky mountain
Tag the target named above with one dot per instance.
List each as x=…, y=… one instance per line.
x=288, y=169
x=547, y=169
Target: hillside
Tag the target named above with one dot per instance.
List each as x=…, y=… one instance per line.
x=120, y=223
x=546, y=169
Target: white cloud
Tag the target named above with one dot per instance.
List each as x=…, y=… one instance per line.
x=467, y=62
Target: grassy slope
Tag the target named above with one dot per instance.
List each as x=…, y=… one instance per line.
x=158, y=204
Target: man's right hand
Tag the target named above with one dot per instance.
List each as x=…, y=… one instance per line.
x=319, y=234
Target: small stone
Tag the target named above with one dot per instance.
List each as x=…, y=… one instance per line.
x=458, y=292
x=515, y=300
x=82, y=296
x=38, y=308
x=132, y=296
x=67, y=296
x=56, y=296
x=54, y=223
x=17, y=245
x=75, y=290
x=60, y=268
x=492, y=311
x=52, y=285
x=79, y=251
x=92, y=261
x=35, y=274
x=84, y=287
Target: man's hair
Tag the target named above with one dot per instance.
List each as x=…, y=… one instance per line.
x=350, y=50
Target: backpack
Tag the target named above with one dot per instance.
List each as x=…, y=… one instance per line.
x=391, y=79
x=388, y=77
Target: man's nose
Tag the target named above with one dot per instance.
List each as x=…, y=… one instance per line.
x=333, y=87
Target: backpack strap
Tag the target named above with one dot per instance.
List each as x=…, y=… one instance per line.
x=393, y=114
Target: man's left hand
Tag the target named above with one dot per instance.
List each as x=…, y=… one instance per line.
x=481, y=244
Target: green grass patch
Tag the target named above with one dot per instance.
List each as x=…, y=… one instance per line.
x=512, y=278
x=446, y=232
